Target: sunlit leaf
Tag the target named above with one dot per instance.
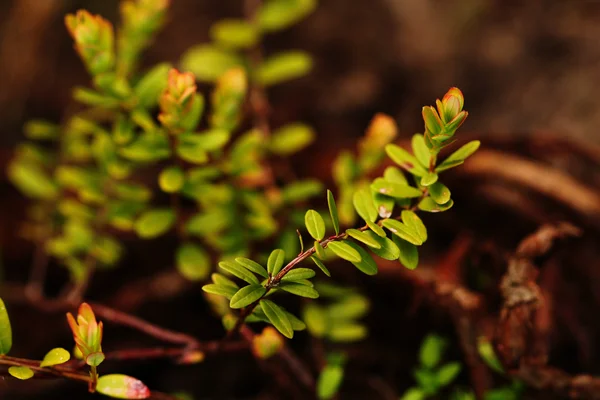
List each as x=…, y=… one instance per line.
x=193, y=262
x=55, y=356
x=315, y=224
x=298, y=273
x=413, y=221
x=393, y=189
x=208, y=62
x=275, y=261
x=22, y=373
x=333, y=212
x=278, y=318
x=366, y=264
x=405, y=160
x=299, y=289
x=409, y=254
x=363, y=203
x=329, y=381
x=439, y=193
x=122, y=387
x=420, y=149
x=345, y=251
x=247, y=295
x=364, y=238
x=5, y=330
x=387, y=250
x=252, y=266
x=291, y=138
x=238, y=271
x=431, y=350
x=447, y=373
x=283, y=67
x=459, y=156
x=429, y=205
x=154, y=223
x=322, y=266
x=171, y=179
x=234, y=33
x=402, y=230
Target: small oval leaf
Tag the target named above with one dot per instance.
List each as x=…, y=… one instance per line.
x=252, y=266
x=22, y=373
x=333, y=212
x=55, y=357
x=299, y=290
x=364, y=205
x=275, y=261
x=277, y=317
x=238, y=271
x=247, y=295
x=314, y=224
x=345, y=251
x=5, y=330
x=122, y=387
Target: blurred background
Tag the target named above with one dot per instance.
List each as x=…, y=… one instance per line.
x=530, y=73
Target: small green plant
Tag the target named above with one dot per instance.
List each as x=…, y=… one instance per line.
x=432, y=376
x=227, y=203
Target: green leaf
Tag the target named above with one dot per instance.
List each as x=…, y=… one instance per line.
x=366, y=264
x=413, y=221
x=171, y=179
x=41, y=130
x=409, y=254
x=208, y=62
x=291, y=138
x=55, y=356
x=394, y=174
x=431, y=350
x=384, y=204
x=350, y=307
x=154, y=223
x=322, y=266
x=122, y=387
x=316, y=319
x=22, y=373
x=333, y=212
x=208, y=140
x=223, y=280
x=376, y=228
x=238, y=271
x=447, y=373
x=247, y=295
x=329, y=381
x=278, y=318
x=275, y=261
x=301, y=190
x=345, y=251
x=405, y=160
x=347, y=332
x=95, y=359
x=5, y=330
x=299, y=289
x=320, y=251
x=193, y=262
x=151, y=85
x=439, y=193
x=315, y=224
x=429, y=179
x=31, y=180
x=274, y=15
x=429, y=205
x=400, y=229
x=296, y=322
x=220, y=290
x=393, y=189
x=459, y=156
x=283, y=67
x=364, y=238
x=388, y=250
x=252, y=266
x=420, y=150
x=234, y=33
x=488, y=355
x=414, y=394
x=298, y=273
x=363, y=203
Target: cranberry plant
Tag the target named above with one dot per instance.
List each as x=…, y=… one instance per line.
x=223, y=168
